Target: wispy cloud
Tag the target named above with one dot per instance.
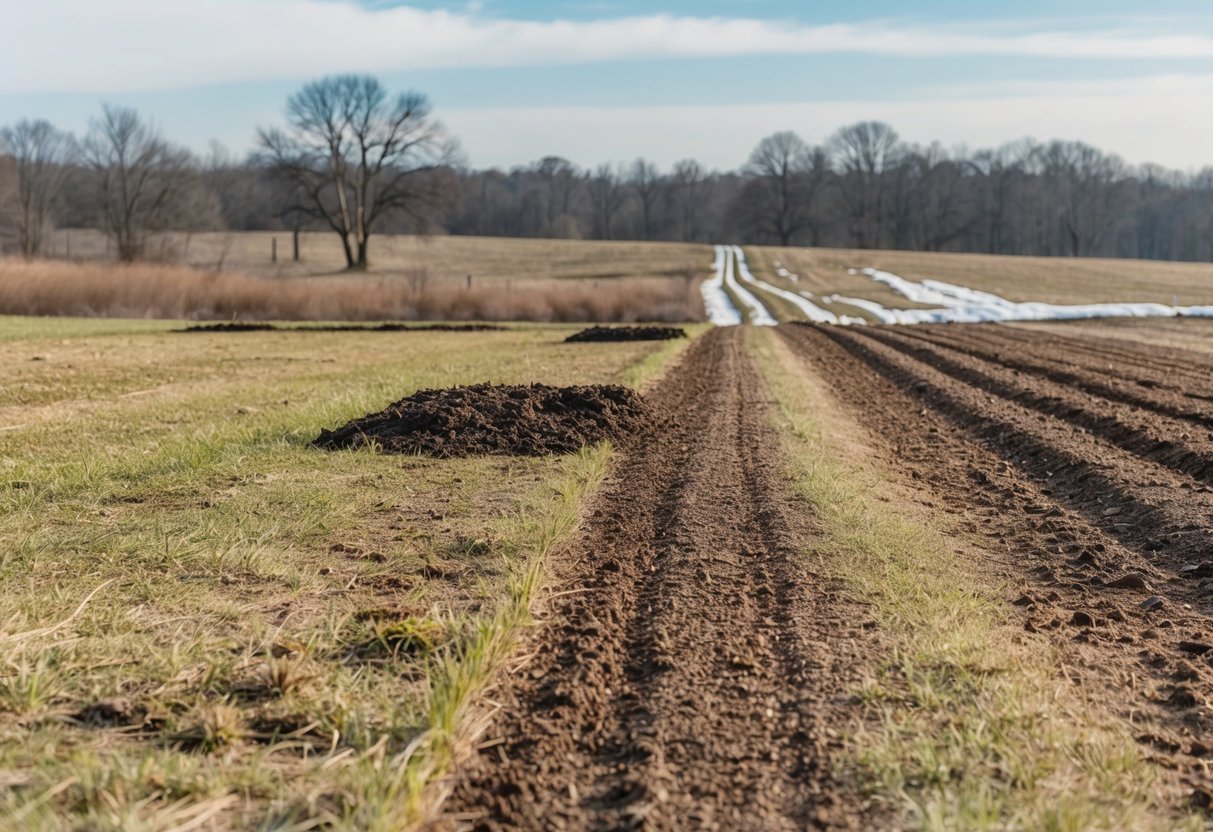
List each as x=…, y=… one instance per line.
x=136, y=45
x=1160, y=119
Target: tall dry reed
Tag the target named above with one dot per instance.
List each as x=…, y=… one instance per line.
x=50, y=287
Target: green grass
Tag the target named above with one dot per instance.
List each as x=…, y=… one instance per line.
x=274, y=635
x=971, y=724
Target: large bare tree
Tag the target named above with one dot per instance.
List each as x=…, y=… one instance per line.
x=359, y=154
x=864, y=152
x=40, y=158
x=779, y=169
x=139, y=178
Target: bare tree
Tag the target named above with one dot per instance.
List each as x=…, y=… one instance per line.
x=864, y=152
x=690, y=189
x=137, y=175
x=608, y=196
x=646, y=183
x=41, y=154
x=1083, y=183
x=779, y=165
x=357, y=154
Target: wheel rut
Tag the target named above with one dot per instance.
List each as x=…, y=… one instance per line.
x=697, y=672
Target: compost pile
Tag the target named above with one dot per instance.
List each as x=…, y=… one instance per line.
x=491, y=419
x=626, y=333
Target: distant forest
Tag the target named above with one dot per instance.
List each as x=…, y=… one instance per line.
x=387, y=166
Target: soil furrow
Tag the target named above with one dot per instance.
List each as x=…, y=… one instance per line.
x=1130, y=498
x=696, y=675
x=1180, y=389
x=1153, y=437
x=1087, y=581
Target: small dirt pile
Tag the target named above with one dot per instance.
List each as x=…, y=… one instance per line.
x=230, y=327
x=626, y=333
x=504, y=420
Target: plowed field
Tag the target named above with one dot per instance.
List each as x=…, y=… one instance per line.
x=1088, y=462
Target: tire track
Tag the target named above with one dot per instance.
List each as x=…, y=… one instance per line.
x=1079, y=530
x=692, y=678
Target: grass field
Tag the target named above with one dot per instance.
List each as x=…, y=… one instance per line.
x=207, y=623
x=437, y=258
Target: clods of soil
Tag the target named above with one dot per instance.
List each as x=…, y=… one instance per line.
x=238, y=326
x=235, y=326
x=626, y=333
x=491, y=419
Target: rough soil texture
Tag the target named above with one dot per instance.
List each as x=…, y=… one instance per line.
x=1087, y=465
x=516, y=420
x=695, y=671
x=237, y=326
x=626, y=333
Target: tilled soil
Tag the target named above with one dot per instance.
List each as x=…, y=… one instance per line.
x=695, y=672
x=496, y=419
x=1086, y=464
x=626, y=333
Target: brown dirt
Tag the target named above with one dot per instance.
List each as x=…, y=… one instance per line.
x=515, y=420
x=238, y=326
x=1086, y=465
x=694, y=674
x=627, y=333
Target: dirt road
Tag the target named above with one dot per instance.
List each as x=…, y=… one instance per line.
x=697, y=671
x=1086, y=465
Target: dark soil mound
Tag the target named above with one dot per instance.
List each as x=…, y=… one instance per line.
x=626, y=333
x=521, y=420
x=261, y=327
x=229, y=327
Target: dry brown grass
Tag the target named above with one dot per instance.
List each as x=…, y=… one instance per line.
x=52, y=287
x=438, y=259
x=1049, y=279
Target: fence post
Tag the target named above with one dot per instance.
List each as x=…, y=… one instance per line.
x=273, y=249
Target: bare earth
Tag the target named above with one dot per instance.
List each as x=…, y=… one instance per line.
x=691, y=675
x=1086, y=464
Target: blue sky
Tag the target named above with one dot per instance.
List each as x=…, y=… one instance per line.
x=610, y=80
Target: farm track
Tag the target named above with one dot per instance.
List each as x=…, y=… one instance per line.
x=696, y=672
x=1085, y=464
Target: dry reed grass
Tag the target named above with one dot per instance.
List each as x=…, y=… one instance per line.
x=50, y=287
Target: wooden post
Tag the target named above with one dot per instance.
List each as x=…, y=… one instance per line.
x=469, y=281
x=295, y=242
x=273, y=249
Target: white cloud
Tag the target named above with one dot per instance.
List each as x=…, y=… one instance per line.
x=137, y=45
x=1164, y=119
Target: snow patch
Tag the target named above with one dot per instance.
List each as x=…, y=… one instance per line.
x=811, y=310
x=958, y=304
x=759, y=314
x=716, y=302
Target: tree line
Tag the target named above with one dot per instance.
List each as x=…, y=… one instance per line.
x=354, y=159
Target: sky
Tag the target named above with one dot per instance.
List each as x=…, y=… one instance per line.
x=607, y=81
